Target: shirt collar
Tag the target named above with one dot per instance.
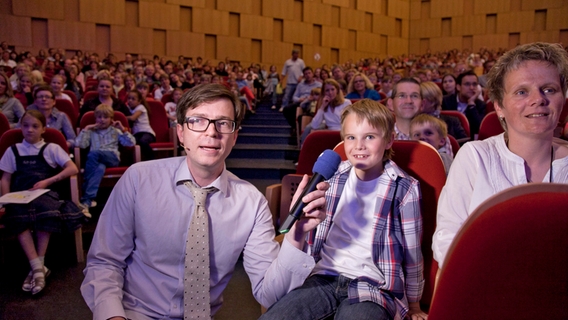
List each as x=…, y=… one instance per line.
x=183, y=174
x=36, y=145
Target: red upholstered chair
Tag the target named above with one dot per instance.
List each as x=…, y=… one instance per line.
x=4, y=124
x=166, y=137
x=68, y=108
x=167, y=98
x=90, y=95
x=489, y=107
x=455, y=144
x=128, y=155
x=461, y=117
x=74, y=99
x=13, y=136
x=510, y=258
x=421, y=161
x=490, y=126
x=316, y=142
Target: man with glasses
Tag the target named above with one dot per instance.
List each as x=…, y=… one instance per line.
x=405, y=102
x=466, y=100
x=135, y=267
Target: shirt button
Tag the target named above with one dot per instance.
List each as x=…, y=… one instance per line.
x=304, y=265
x=175, y=306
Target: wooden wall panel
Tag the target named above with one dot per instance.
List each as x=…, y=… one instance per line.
x=71, y=35
x=185, y=18
x=38, y=9
x=102, y=39
x=446, y=8
x=368, y=42
x=491, y=6
x=241, y=6
x=317, y=13
x=334, y=37
x=310, y=52
x=210, y=21
x=445, y=43
x=339, y=3
x=298, y=32
x=416, y=11
x=413, y=45
x=399, y=9
x=102, y=11
x=557, y=18
x=71, y=12
x=256, y=27
x=468, y=25
x=16, y=30
x=542, y=4
x=159, y=42
x=490, y=41
x=188, y=3
x=185, y=43
x=276, y=53
x=351, y=19
x=131, y=39
x=405, y=29
x=131, y=13
x=373, y=6
x=515, y=22
x=397, y=46
x=383, y=25
x=544, y=36
x=158, y=15
x=283, y=9
x=426, y=28
x=234, y=47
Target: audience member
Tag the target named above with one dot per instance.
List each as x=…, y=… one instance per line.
x=406, y=102
x=10, y=106
x=433, y=131
x=292, y=70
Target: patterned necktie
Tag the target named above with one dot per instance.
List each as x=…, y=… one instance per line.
x=196, y=297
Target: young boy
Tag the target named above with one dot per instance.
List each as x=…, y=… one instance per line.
x=104, y=137
x=369, y=263
x=434, y=131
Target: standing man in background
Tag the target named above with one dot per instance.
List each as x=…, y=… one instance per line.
x=293, y=69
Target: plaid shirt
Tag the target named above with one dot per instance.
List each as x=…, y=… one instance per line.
x=396, y=245
x=106, y=140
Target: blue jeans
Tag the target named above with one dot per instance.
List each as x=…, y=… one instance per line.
x=288, y=93
x=97, y=162
x=319, y=298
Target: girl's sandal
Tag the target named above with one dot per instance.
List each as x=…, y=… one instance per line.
x=27, y=286
x=38, y=282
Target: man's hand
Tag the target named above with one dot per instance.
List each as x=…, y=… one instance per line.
x=314, y=212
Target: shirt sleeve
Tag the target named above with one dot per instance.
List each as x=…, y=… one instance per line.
x=273, y=273
x=8, y=161
x=413, y=265
x=67, y=129
x=83, y=139
x=453, y=205
x=126, y=139
x=112, y=244
x=55, y=155
x=318, y=118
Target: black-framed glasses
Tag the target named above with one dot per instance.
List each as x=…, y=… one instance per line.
x=200, y=124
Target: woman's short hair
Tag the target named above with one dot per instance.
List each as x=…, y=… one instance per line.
x=9, y=91
x=554, y=54
x=431, y=92
x=43, y=87
x=368, y=83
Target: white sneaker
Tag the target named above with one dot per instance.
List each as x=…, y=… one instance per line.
x=85, y=209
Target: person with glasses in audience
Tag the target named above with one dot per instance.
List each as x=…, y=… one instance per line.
x=135, y=266
x=466, y=100
x=406, y=102
x=360, y=87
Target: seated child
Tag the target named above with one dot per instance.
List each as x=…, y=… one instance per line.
x=308, y=107
x=144, y=89
x=30, y=165
x=140, y=119
x=171, y=107
x=368, y=257
x=103, y=137
x=434, y=131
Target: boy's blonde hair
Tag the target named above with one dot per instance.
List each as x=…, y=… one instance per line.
x=316, y=91
x=376, y=114
x=104, y=110
x=438, y=124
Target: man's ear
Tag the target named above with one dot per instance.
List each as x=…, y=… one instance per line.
x=390, y=104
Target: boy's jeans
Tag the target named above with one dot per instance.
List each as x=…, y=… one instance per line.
x=97, y=162
x=320, y=297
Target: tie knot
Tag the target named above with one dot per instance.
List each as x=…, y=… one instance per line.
x=199, y=194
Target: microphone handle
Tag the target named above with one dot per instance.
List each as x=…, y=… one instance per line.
x=296, y=211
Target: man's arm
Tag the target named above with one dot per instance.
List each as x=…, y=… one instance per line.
x=112, y=244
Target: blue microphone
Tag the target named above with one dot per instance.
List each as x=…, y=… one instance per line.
x=324, y=168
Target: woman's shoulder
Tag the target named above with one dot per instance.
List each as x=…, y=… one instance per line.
x=560, y=149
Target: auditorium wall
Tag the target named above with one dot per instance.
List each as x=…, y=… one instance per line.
x=325, y=31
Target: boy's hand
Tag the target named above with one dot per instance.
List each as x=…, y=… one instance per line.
x=415, y=313
x=314, y=212
x=91, y=127
x=117, y=124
